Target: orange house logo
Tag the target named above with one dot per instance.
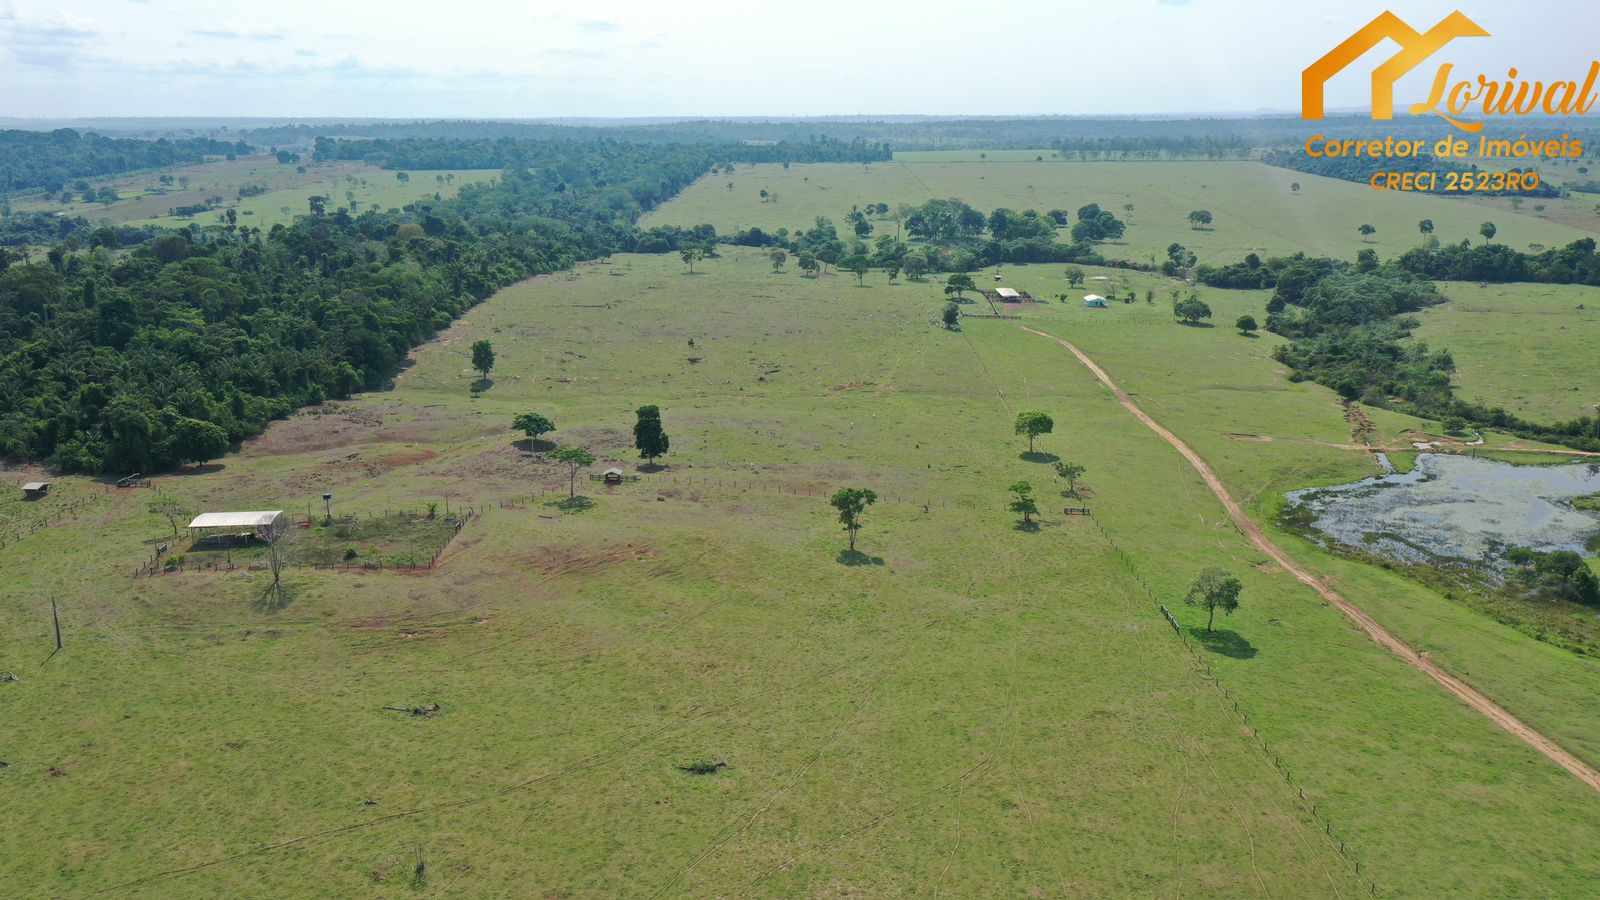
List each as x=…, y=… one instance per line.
x=1414, y=48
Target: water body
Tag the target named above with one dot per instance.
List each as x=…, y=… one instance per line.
x=1456, y=508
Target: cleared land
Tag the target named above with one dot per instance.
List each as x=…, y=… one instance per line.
x=684, y=686
x=1530, y=348
x=1253, y=204
x=964, y=706
x=146, y=201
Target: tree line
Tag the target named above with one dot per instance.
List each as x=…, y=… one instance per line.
x=49, y=160
x=1350, y=329
x=136, y=360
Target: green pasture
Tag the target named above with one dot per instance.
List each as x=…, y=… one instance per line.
x=1530, y=348
x=1253, y=205
x=145, y=201
x=963, y=707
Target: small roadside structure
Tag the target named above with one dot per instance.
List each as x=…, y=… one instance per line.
x=264, y=525
x=35, y=490
x=1094, y=301
x=612, y=476
x=1009, y=295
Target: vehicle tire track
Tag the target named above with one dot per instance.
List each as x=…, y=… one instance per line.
x=1463, y=691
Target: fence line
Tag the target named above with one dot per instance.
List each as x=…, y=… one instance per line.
x=467, y=513
x=1203, y=667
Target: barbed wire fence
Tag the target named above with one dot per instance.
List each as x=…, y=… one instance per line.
x=1203, y=667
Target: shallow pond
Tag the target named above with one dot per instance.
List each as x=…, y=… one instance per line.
x=1456, y=507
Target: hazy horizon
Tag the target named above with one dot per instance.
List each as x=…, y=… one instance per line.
x=628, y=60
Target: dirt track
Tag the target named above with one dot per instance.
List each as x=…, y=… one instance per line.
x=1466, y=692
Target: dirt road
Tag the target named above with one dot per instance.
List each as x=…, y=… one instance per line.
x=1466, y=692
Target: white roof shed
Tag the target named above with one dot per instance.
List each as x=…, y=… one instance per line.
x=1008, y=293
x=236, y=519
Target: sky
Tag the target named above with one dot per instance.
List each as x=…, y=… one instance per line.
x=531, y=59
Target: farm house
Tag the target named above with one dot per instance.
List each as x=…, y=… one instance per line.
x=1094, y=301
x=262, y=526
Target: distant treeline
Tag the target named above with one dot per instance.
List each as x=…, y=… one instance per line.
x=953, y=236
x=40, y=229
x=497, y=153
x=1362, y=168
x=135, y=361
x=1349, y=326
x=51, y=159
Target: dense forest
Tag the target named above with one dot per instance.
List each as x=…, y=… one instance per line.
x=1349, y=326
x=120, y=361
x=51, y=159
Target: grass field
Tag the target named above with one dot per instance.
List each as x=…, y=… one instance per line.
x=1253, y=205
x=1527, y=347
x=963, y=707
x=287, y=196
x=687, y=686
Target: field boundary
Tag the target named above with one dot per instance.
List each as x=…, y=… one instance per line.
x=1465, y=692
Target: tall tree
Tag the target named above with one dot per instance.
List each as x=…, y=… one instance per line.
x=1071, y=472
x=483, y=357
x=575, y=459
x=1367, y=230
x=851, y=503
x=648, y=437
x=959, y=284
x=532, y=424
x=1033, y=423
x=1214, y=589
x=1488, y=231
x=1199, y=218
x=1022, y=502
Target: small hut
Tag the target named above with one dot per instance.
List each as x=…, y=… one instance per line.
x=612, y=476
x=1094, y=301
x=35, y=490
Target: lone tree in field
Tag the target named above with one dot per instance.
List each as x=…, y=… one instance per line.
x=1488, y=230
x=173, y=507
x=1191, y=309
x=648, y=438
x=1246, y=324
x=1214, y=590
x=1295, y=187
x=1023, y=504
x=951, y=315
x=1033, y=423
x=1075, y=277
x=532, y=424
x=959, y=284
x=778, y=257
x=808, y=264
x=1200, y=218
x=483, y=357
x=690, y=256
x=575, y=458
x=198, y=441
x=1367, y=231
x=851, y=503
x=1071, y=472
x=1425, y=226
